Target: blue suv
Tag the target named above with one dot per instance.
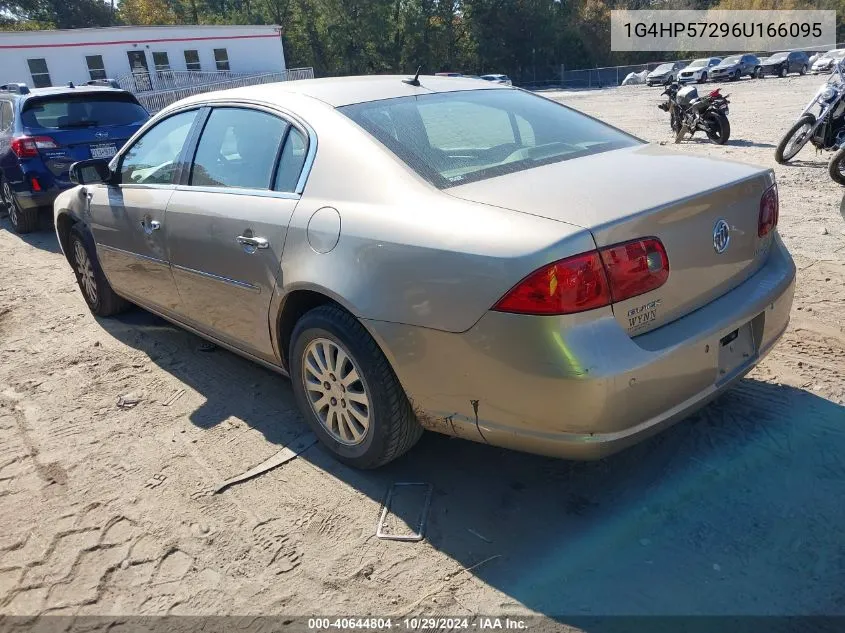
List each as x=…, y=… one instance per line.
x=43, y=131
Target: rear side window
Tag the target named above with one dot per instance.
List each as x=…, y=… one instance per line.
x=458, y=137
x=238, y=148
x=81, y=111
x=291, y=161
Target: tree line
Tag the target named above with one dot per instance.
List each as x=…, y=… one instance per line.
x=530, y=40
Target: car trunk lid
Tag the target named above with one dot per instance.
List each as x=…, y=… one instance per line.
x=642, y=192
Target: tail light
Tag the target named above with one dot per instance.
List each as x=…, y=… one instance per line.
x=769, y=211
x=570, y=285
x=590, y=280
x=635, y=268
x=36, y=184
x=28, y=146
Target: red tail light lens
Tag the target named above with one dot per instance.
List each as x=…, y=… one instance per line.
x=570, y=285
x=590, y=280
x=28, y=146
x=36, y=185
x=769, y=211
x=634, y=268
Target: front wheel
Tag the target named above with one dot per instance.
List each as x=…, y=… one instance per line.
x=98, y=293
x=347, y=391
x=703, y=78
x=836, y=166
x=783, y=71
x=737, y=75
x=794, y=139
x=718, y=128
x=803, y=70
x=758, y=72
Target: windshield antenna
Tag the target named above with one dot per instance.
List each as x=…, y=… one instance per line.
x=416, y=80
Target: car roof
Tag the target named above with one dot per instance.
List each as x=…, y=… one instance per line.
x=341, y=91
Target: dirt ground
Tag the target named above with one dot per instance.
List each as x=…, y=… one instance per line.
x=106, y=510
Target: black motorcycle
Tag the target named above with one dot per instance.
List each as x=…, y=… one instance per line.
x=689, y=113
x=822, y=123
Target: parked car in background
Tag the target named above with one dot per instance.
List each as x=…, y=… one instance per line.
x=781, y=64
x=665, y=73
x=440, y=253
x=498, y=79
x=735, y=67
x=45, y=130
x=827, y=63
x=698, y=70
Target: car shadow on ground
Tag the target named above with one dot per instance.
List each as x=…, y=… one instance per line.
x=736, y=510
x=743, y=143
x=44, y=238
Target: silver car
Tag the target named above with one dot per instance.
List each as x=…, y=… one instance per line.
x=442, y=254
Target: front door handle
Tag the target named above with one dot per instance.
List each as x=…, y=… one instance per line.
x=250, y=244
x=150, y=225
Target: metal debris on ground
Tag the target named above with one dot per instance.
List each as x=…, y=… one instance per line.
x=173, y=398
x=128, y=401
x=483, y=538
x=399, y=507
x=289, y=452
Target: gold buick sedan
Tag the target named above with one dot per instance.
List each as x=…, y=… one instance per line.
x=439, y=253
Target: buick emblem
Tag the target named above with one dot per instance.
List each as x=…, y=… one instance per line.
x=721, y=236
x=101, y=135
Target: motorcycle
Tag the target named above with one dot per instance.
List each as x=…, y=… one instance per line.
x=689, y=113
x=824, y=129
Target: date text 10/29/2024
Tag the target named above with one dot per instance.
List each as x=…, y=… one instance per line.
x=418, y=624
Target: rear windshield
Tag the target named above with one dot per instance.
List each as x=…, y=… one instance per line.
x=454, y=138
x=80, y=111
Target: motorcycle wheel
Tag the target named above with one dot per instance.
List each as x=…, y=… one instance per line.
x=675, y=122
x=789, y=147
x=836, y=166
x=720, y=128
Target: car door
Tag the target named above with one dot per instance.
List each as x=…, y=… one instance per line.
x=127, y=215
x=228, y=219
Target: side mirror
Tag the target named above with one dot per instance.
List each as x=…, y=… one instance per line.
x=89, y=172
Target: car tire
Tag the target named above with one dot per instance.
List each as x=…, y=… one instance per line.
x=375, y=427
x=102, y=300
x=782, y=72
x=836, y=166
x=803, y=70
x=22, y=220
x=737, y=75
x=703, y=78
x=758, y=72
x=780, y=151
x=721, y=128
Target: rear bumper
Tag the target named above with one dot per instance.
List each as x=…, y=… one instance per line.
x=578, y=386
x=32, y=200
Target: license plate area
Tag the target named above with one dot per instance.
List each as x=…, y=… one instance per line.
x=736, y=349
x=103, y=150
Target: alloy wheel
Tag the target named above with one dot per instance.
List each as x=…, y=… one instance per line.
x=336, y=390
x=85, y=271
x=9, y=201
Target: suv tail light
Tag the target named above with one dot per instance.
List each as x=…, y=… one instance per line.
x=28, y=146
x=590, y=280
x=769, y=211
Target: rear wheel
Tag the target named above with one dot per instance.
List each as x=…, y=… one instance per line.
x=22, y=220
x=719, y=128
x=794, y=139
x=836, y=166
x=98, y=293
x=347, y=390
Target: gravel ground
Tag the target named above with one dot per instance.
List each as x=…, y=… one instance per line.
x=106, y=510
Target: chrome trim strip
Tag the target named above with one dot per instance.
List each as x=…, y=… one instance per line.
x=200, y=273
x=120, y=251
x=237, y=191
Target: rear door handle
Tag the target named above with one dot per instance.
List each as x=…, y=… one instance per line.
x=250, y=244
x=150, y=225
